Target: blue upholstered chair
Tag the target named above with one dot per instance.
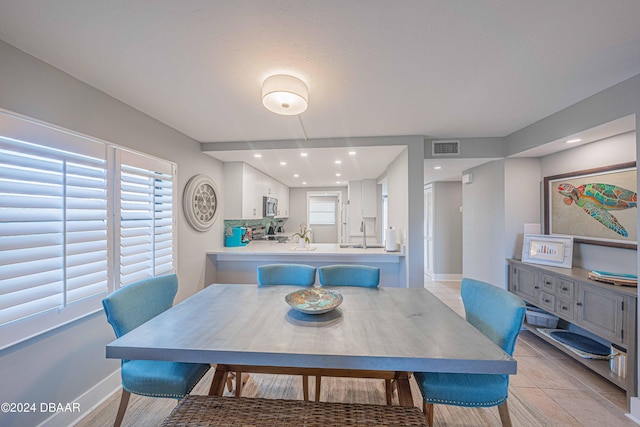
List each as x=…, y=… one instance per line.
x=499, y=315
x=130, y=307
x=275, y=275
x=349, y=275
x=286, y=274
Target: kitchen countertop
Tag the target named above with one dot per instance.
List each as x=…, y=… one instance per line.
x=266, y=247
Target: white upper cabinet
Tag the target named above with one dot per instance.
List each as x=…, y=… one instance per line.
x=368, y=199
x=244, y=188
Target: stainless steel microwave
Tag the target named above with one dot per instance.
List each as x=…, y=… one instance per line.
x=270, y=207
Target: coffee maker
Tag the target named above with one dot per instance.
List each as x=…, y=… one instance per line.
x=238, y=237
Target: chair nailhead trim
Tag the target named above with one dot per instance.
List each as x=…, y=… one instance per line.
x=459, y=403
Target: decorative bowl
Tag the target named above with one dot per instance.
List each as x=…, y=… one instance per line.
x=314, y=300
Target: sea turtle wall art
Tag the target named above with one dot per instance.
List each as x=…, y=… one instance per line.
x=598, y=199
x=597, y=207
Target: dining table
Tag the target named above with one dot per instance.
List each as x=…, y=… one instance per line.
x=395, y=330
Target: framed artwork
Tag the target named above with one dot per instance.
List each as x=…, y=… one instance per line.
x=548, y=250
x=596, y=206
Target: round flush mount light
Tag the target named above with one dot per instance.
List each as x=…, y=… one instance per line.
x=286, y=95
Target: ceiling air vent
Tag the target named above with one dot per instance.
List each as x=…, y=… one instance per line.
x=445, y=148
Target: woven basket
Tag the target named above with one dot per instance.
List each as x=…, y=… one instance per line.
x=205, y=411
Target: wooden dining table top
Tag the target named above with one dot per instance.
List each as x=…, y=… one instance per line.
x=373, y=329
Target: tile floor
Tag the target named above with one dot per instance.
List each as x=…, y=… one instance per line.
x=561, y=388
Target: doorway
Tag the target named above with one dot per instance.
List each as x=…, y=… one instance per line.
x=323, y=216
x=428, y=231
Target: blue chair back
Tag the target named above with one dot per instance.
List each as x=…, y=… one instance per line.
x=286, y=274
x=497, y=313
x=349, y=275
x=131, y=306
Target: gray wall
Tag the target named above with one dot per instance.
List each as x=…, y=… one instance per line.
x=610, y=151
x=447, y=232
x=483, y=221
x=68, y=363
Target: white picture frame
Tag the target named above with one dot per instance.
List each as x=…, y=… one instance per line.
x=548, y=250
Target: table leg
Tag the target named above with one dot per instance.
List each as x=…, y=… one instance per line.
x=404, y=389
x=219, y=381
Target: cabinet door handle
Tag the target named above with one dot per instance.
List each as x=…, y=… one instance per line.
x=547, y=301
x=565, y=289
x=565, y=307
x=536, y=287
x=578, y=303
x=547, y=283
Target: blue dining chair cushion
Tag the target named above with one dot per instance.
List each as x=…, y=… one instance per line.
x=496, y=313
x=158, y=378
x=132, y=305
x=463, y=389
x=286, y=274
x=349, y=275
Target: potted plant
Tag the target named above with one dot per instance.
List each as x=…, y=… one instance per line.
x=303, y=235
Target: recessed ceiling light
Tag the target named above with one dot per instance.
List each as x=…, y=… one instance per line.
x=283, y=163
x=437, y=167
x=295, y=175
x=257, y=155
x=352, y=153
x=304, y=154
x=304, y=182
x=338, y=174
x=337, y=182
x=571, y=141
x=337, y=162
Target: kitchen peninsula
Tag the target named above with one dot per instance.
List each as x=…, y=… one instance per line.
x=239, y=264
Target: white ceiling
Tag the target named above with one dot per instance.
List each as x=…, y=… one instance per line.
x=319, y=167
x=464, y=68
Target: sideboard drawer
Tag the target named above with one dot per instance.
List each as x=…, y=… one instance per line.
x=564, y=307
x=548, y=301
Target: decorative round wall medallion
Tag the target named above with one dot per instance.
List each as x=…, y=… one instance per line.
x=200, y=202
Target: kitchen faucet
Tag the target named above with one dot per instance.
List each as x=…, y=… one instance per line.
x=363, y=228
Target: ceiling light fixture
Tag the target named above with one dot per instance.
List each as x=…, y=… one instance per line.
x=571, y=141
x=257, y=155
x=337, y=162
x=304, y=154
x=283, y=163
x=286, y=95
x=352, y=153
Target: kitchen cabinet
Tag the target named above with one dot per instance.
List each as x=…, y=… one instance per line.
x=607, y=311
x=244, y=188
x=368, y=205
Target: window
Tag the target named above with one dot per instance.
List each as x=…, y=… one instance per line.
x=145, y=199
x=322, y=210
x=57, y=233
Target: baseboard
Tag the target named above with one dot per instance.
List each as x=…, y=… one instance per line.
x=635, y=410
x=87, y=402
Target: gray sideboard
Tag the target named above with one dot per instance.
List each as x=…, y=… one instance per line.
x=606, y=311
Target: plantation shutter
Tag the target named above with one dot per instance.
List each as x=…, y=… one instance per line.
x=146, y=217
x=54, y=244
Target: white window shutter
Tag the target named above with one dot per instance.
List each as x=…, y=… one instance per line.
x=146, y=217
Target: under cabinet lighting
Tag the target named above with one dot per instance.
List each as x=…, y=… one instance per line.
x=571, y=141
